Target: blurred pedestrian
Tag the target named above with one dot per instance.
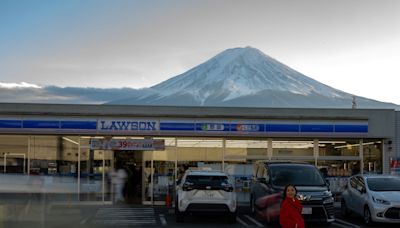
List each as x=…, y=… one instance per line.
x=290, y=214
x=118, y=180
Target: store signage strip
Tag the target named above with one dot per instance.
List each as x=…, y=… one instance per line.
x=146, y=125
x=127, y=144
x=316, y=128
x=89, y=125
x=282, y=127
x=48, y=124
x=10, y=123
x=177, y=126
x=351, y=128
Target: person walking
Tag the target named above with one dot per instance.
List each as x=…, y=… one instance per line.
x=118, y=179
x=290, y=214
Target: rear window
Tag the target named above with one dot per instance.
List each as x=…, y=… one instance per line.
x=200, y=180
x=384, y=184
x=298, y=175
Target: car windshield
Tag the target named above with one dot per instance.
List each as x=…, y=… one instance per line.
x=200, y=180
x=298, y=175
x=384, y=184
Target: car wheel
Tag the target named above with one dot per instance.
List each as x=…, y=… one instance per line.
x=344, y=210
x=326, y=224
x=367, y=216
x=232, y=217
x=178, y=215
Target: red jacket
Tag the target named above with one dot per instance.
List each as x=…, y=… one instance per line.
x=290, y=214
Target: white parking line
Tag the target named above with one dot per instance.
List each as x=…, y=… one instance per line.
x=241, y=222
x=84, y=221
x=347, y=223
x=163, y=220
x=254, y=221
x=339, y=225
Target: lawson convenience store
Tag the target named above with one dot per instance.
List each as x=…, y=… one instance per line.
x=73, y=148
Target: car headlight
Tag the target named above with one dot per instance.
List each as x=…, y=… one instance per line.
x=380, y=201
x=327, y=193
x=328, y=200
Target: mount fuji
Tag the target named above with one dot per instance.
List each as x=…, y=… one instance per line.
x=246, y=77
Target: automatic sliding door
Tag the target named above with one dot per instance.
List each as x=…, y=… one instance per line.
x=158, y=176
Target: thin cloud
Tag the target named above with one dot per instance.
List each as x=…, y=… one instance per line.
x=18, y=85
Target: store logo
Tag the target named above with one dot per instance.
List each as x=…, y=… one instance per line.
x=122, y=125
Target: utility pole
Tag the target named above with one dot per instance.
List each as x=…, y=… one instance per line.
x=354, y=103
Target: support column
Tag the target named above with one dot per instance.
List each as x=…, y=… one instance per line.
x=223, y=154
x=361, y=151
x=269, y=149
x=316, y=151
x=79, y=168
x=29, y=155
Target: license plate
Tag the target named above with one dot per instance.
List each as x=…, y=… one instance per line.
x=210, y=194
x=307, y=211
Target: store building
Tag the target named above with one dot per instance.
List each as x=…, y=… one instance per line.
x=74, y=148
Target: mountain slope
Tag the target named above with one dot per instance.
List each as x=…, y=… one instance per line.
x=246, y=77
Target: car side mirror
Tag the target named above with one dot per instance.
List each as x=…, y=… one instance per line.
x=178, y=182
x=263, y=180
x=361, y=189
x=328, y=183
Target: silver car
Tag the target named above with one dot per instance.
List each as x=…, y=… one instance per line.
x=374, y=197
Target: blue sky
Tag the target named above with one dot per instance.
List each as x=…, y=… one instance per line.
x=353, y=46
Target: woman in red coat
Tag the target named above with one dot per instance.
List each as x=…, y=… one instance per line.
x=290, y=214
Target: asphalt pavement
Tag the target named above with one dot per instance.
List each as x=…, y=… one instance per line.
x=37, y=212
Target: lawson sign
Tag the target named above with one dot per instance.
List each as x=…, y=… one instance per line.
x=124, y=125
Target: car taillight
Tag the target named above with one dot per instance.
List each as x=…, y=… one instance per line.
x=187, y=186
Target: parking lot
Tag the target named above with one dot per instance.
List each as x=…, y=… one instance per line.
x=40, y=214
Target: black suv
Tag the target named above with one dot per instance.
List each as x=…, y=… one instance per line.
x=269, y=180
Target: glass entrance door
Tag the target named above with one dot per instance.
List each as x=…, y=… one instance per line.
x=158, y=178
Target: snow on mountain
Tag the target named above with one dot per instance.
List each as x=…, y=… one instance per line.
x=240, y=72
x=246, y=77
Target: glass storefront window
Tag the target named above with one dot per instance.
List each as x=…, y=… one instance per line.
x=159, y=173
x=292, y=148
x=339, y=148
x=338, y=168
x=241, y=174
x=14, y=154
x=242, y=148
x=372, y=150
x=203, y=153
x=337, y=173
x=55, y=158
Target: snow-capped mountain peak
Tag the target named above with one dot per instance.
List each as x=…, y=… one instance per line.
x=245, y=77
x=239, y=72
